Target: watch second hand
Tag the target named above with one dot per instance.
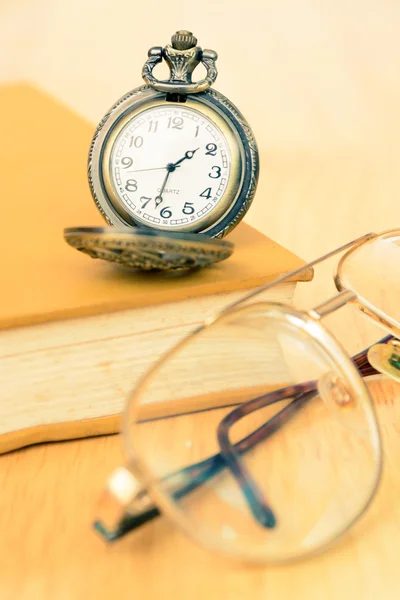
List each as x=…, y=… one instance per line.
x=153, y=169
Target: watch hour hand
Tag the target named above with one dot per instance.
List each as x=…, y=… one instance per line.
x=188, y=155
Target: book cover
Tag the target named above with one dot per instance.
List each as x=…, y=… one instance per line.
x=62, y=310
x=43, y=163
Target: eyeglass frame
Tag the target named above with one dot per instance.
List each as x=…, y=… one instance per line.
x=124, y=486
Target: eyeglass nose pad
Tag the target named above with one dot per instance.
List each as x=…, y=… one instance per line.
x=385, y=358
x=341, y=402
x=333, y=391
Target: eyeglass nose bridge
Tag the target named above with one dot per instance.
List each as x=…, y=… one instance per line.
x=383, y=357
x=332, y=304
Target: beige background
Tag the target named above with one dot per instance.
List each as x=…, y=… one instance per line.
x=319, y=83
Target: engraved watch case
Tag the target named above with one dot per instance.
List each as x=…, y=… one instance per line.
x=178, y=131
x=182, y=57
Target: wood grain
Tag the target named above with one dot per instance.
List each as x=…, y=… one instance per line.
x=49, y=550
x=323, y=103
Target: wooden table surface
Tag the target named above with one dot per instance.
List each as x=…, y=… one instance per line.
x=323, y=100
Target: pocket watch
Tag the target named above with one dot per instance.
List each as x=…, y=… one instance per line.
x=172, y=167
x=174, y=155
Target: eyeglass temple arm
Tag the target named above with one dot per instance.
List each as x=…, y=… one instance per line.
x=297, y=272
x=201, y=472
x=231, y=453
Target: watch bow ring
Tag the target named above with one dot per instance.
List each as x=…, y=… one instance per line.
x=182, y=57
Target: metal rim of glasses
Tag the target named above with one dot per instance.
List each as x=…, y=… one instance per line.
x=137, y=462
x=143, y=473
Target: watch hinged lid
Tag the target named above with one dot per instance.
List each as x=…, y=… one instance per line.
x=148, y=249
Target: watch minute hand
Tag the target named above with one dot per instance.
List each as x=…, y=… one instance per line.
x=158, y=199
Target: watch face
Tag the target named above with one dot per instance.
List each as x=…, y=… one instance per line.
x=179, y=166
x=170, y=167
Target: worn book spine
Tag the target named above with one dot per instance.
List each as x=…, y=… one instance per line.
x=71, y=379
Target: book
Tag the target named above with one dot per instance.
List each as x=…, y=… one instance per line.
x=77, y=333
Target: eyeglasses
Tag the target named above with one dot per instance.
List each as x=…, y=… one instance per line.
x=270, y=449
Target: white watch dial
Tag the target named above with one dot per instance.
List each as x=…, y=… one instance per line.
x=170, y=167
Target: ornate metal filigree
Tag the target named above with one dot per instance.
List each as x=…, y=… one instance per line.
x=254, y=161
x=148, y=250
x=131, y=95
x=182, y=57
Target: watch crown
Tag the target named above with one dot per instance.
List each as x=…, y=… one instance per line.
x=183, y=40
